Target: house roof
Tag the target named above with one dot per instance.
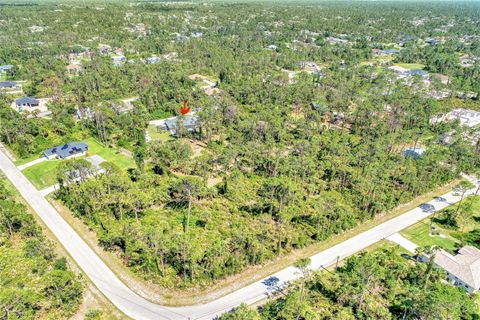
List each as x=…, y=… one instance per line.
x=189, y=122
x=417, y=72
x=465, y=265
x=390, y=51
x=6, y=67
x=67, y=149
x=27, y=100
x=7, y=84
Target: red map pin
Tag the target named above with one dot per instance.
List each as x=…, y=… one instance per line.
x=184, y=110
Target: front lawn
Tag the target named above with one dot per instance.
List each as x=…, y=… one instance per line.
x=43, y=174
x=420, y=234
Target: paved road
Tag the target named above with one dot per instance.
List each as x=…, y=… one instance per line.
x=139, y=308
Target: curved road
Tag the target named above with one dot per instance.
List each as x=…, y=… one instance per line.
x=137, y=307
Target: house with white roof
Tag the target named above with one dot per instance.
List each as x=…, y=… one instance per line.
x=467, y=117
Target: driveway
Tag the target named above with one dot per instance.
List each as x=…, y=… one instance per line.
x=31, y=163
x=138, y=307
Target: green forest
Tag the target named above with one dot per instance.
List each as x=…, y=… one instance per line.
x=35, y=283
x=305, y=115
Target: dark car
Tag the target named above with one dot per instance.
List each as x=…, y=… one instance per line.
x=427, y=207
x=440, y=199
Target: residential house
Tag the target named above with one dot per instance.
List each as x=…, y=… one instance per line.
x=433, y=41
x=415, y=153
x=197, y=34
x=9, y=86
x=26, y=103
x=118, y=60
x=469, y=118
x=272, y=47
x=463, y=269
x=5, y=68
x=154, y=59
x=379, y=52
x=175, y=124
x=66, y=151
x=104, y=49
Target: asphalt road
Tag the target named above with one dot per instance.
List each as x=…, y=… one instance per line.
x=138, y=307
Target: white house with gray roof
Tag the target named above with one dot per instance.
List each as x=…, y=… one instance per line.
x=463, y=269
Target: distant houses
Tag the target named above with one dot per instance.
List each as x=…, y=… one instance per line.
x=463, y=269
x=466, y=117
x=66, y=151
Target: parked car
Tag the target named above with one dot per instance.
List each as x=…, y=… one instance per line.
x=427, y=207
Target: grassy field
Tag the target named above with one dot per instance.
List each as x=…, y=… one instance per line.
x=109, y=154
x=158, y=135
x=410, y=66
x=43, y=174
x=420, y=235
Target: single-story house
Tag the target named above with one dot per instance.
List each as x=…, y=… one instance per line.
x=414, y=153
x=380, y=52
x=154, y=59
x=26, y=102
x=470, y=118
x=188, y=122
x=417, y=72
x=118, y=60
x=5, y=68
x=68, y=150
x=9, y=85
x=463, y=269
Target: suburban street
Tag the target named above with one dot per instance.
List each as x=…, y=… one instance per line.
x=138, y=307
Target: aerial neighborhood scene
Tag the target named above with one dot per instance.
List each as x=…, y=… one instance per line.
x=239, y=160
